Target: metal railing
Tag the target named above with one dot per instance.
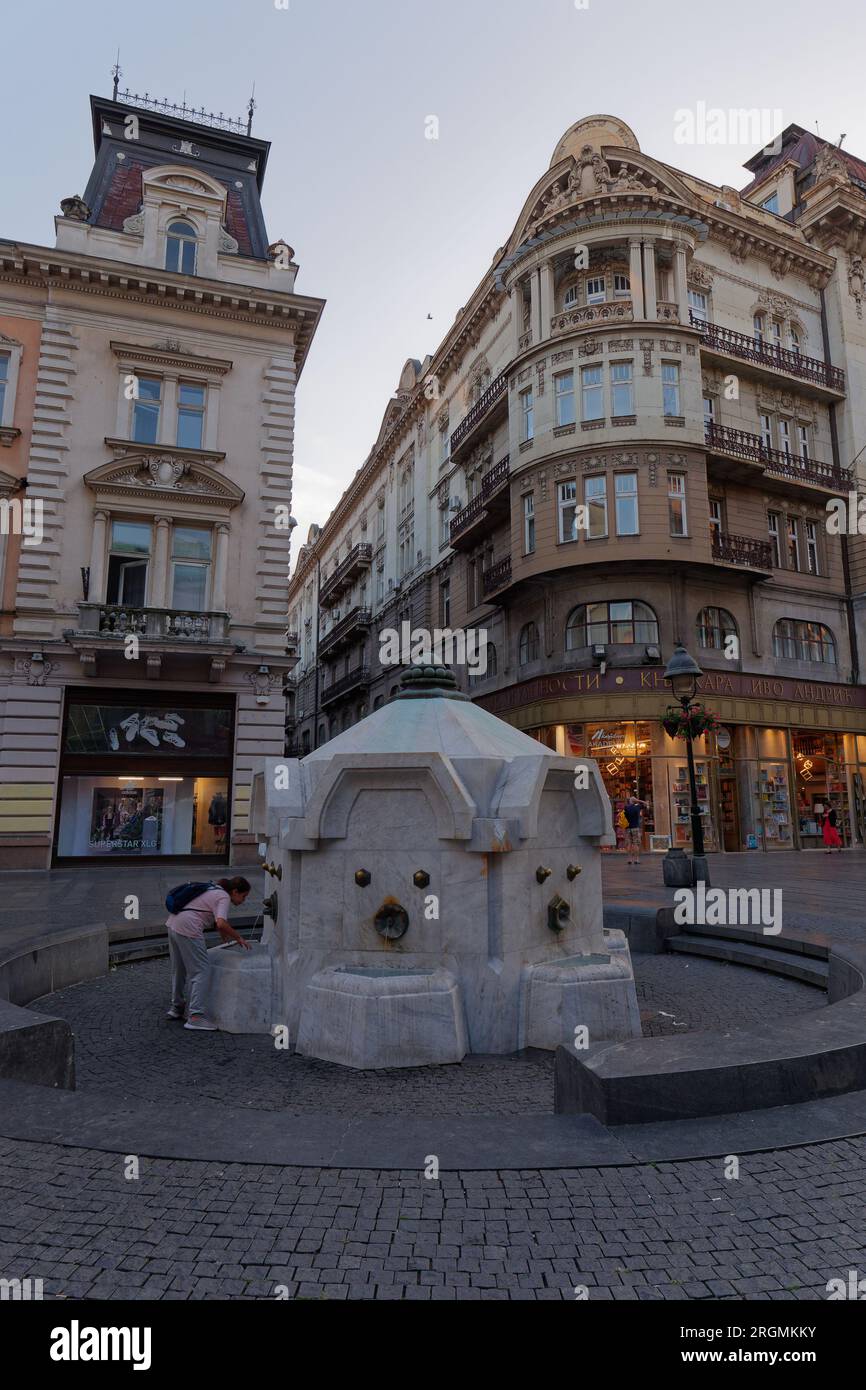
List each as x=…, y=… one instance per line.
x=734, y=344
x=799, y=468
x=497, y=576
x=479, y=410
x=357, y=618
x=360, y=556
x=347, y=683
x=743, y=550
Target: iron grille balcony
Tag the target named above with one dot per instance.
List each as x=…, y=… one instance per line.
x=495, y=390
x=776, y=462
x=733, y=344
x=358, y=559
x=497, y=576
x=742, y=550
x=345, y=685
x=345, y=629
x=493, y=481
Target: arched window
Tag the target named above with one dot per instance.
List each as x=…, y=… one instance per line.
x=180, y=244
x=714, y=626
x=395, y=690
x=490, y=668
x=529, y=644
x=624, y=622
x=794, y=639
x=323, y=735
x=378, y=702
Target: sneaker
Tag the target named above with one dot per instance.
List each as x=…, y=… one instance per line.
x=175, y=1012
x=199, y=1024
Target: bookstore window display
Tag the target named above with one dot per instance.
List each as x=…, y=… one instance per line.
x=624, y=755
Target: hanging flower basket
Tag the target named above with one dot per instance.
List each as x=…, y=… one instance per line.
x=678, y=724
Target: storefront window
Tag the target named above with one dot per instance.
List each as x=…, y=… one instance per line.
x=109, y=817
x=163, y=731
x=822, y=786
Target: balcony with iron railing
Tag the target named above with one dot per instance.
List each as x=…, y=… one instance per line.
x=497, y=577
x=360, y=558
x=353, y=680
x=171, y=625
x=478, y=413
x=727, y=342
x=743, y=551
x=797, y=470
x=358, y=620
x=490, y=505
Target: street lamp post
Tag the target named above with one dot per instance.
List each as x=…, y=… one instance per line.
x=682, y=675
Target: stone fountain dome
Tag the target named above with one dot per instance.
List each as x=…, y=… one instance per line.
x=595, y=131
x=430, y=715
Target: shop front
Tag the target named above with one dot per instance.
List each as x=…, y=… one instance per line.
x=766, y=783
x=144, y=777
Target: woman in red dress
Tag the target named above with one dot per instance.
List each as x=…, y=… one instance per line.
x=832, y=838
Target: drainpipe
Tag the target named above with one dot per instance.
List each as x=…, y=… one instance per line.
x=318, y=634
x=846, y=562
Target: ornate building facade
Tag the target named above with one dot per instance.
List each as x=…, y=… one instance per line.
x=150, y=360
x=629, y=438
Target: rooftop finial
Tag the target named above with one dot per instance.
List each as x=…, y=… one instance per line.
x=250, y=109
x=116, y=74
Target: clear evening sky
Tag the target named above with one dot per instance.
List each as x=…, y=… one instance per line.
x=387, y=225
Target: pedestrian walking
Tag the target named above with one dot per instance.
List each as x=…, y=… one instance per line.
x=830, y=832
x=197, y=913
x=633, y=810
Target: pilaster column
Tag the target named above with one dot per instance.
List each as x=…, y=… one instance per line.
x=220, y=573
x=681, y=288
x=97, y=557
x=159, y=574
x=649, y=281
x=636, y=279
x=546, y=298
x=515, y=295
x=535, y=306
x=168, y=412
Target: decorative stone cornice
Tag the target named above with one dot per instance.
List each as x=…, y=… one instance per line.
x=166, y=475
x=128, y=448
x=167, y=355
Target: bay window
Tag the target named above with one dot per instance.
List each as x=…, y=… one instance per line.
x=677, y=504
x=671, y=388
x=567, y=507
x=621, y=389
x=564, y=392
x=625, y=497
x=595, y=495
x=592, y=392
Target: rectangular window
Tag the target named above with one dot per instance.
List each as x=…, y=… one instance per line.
x=380, y=586
x=699, y=305
x=129, y=553
x=444, y=444
x=716, y=525
x=709, y=411
x=671, y=388
x=445, y=601
x=777, y=333
x=766, y=431
x=621, y=389
x=785, y=437
x=677, y=504
x=381, y=523
x=4, y=381
x=527, y=424
x=621, y=287
x=771, y=203
x=793, y=544
x=625, y=496
x=803, y=438
x=775, y=542
x=592, y=393
x=190, y=556
x=564, y=391
x=595, y=293
x=595, y=495
x=529, y=523
x=812, y=548
x=444, y=526
x=145, y=411
x=567, y=505
x=190, y=416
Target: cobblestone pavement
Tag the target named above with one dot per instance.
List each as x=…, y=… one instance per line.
x=124, y=1043
x=792, y=1221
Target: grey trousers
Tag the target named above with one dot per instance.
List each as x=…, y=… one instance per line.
x=189, y=971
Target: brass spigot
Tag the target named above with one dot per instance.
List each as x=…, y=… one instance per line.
x=541, y=873
x=573, y=870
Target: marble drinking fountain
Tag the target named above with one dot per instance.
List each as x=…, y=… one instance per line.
x=435, y=890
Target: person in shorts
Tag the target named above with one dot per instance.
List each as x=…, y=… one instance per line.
x=633, y=810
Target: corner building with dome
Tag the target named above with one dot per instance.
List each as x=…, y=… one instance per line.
x=629, y=438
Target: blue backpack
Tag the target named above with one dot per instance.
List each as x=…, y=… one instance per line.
x=178, y=898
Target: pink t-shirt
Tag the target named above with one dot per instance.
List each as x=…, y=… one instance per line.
x=199, y=915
